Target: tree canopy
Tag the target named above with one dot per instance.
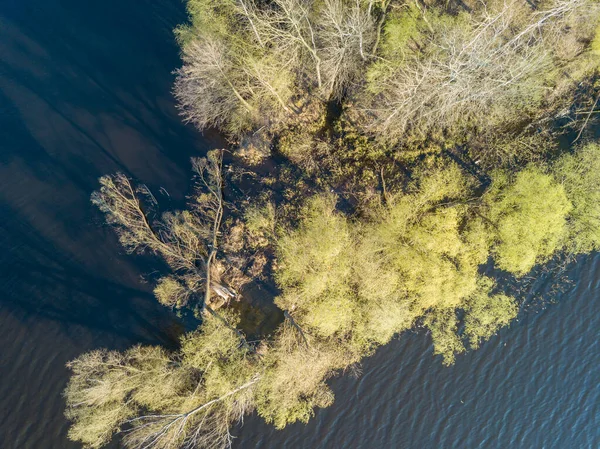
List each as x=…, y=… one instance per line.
x=380, y=213
x=529, y=216
x=578, y=173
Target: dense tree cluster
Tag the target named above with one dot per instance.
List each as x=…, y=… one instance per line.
x=488, y=67
x=250, y=64
x=361, y=243
x=347, y=286
x=403, y=68
x=362, y=282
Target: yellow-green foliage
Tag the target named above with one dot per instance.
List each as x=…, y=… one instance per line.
x=579, y=173
x=315, y=268
x=595, y=47
x=216, y=351
x=366, y=282
x=443, y=325
x=108, y=387
x=419, y=255
x=486, y=313
x=529, y=213
x=347, y=286
x=294, y=381
x=170, y=292
x=260, y=224
x=401, y=31
x=209, y=17
x=421, y=244
x=371, y=281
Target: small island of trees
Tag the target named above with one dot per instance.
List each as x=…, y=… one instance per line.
x=415, y=165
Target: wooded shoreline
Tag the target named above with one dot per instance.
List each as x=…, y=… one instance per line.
x=416, y=142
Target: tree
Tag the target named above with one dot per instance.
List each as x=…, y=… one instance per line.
x=528, y=212
x=421, y=243
x=578, y=174
x=252, y=65
x=345, y=36
x=186, y=240
x=360, y=283
x=315, y=269
x=156, y=399
x=486, y=313
x=481, y=68
x=443, y=324
x=288, y=25
x=297, y=367
x=233, y=88
x=348, y=285
x=230, y=78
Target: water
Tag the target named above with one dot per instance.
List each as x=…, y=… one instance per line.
x=535, y=385
x=84, y=91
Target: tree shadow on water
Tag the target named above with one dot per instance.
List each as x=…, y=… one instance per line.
x=39, y=280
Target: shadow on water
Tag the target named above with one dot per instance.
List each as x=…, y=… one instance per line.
x=47, y=283
x=85, y=90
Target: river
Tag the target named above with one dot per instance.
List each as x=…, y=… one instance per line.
x=85, y=91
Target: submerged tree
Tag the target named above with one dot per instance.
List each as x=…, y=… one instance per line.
x=356, y=285
x=186, y=240
x=297, y=366
x=159, y=400
x=578, y=173
x=487, y=312
x=348, y=285
x=348, y=281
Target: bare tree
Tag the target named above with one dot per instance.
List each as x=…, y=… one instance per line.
x=231, y=86
x=382, y=6
x=345, y=32
x=484, y=68
x=326, y=42
x=208, y=87
x=287, y=28
x=274, y=59
x=186, y=240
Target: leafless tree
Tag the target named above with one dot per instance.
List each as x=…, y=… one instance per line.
x=382, y=8
x=208, y=86
x=288, y=26
x=345, y=32
x=186, y=240
x=233, y=87
x=470, y=72
x=326, y=42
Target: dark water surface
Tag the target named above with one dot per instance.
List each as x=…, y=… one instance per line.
x=84, y=91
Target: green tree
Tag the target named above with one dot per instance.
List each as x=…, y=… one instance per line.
x=297, y=367
x=528, y=212
x=315, y=269
x=486, y=313
x=578, y=174
x=160, y=399
x=443, y=324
